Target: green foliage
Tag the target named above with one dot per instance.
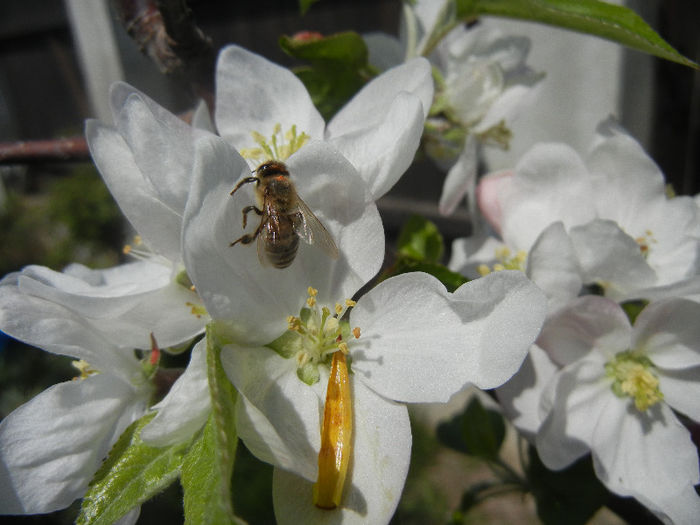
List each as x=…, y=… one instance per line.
x=477, y=431
x=420, y=239
x=83, y=203
x=132, y=473
x=420, y=248
x=252, y=488
x=338, y=67
x=74, y=219
x=568, y=496
x=304, y=5
x=634, y=308
x=204, y=498
x=208, y=467
x=617, y=23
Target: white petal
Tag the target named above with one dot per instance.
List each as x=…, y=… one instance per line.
x=551, y=184
x=460, y=179
x=230, y=279
x=369, y=107
x=520, y=395
x=254, y=94
x=669, y=332
x=162, y=146
x=202, y=119
x=573, y=403
x=646, y=455
x=489, y=193
x=470, y=252
x=101, y=293
x=376, y=475
x=681, y=390
x=612, y=258
x=625, y=179
x=681, y=507
x=553, y=266
x=125, y=303
x=186, y=407
x=588, y=323
x=420, y=343
x=51, y=446
x=507, y=106
x=281, y=416
x=687, y=288
x=58, y=330
x=382, y=151
x=158, y=224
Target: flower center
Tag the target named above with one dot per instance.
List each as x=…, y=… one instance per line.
x=645, y=241
x=633, y=376
x=314, y=335
x=506, y=261
x=279, y=146
x=84, y=368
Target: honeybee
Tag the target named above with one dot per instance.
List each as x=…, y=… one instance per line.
x=284, y=218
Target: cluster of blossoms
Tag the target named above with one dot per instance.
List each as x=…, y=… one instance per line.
x=482, y=82
x=579, y=311
x=603, y=237
x=408, y=340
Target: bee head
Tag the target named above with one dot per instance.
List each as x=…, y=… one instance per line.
x=272, y=168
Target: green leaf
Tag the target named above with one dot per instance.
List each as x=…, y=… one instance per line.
x=477, y=431
x=420, y=239
x=201, y=481
x=132, y=474
x=208, y=466
x=568, y=496
x=634, y=308
x=304, y=5
x=338, y=67
x=617, y=23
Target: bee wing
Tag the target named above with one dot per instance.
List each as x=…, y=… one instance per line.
x=268, y=223
x=308, y=227
x=260, y=245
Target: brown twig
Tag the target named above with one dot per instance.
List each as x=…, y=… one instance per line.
x=165, y=31
x=73, y=149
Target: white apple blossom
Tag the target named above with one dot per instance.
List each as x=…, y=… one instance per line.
x=51, y=446
x=615, y=396
x=260, y=104
x=482, y=84
x=146, y=160
x=606, y=220
x=417, y=342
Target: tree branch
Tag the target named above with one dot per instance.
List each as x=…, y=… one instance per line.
x=165, y=31
x=70, y=149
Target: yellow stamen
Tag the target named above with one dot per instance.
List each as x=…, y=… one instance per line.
x=356, y=332
x=633, y=377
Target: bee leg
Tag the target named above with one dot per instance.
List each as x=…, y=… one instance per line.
x=249, y=237
x=246, y=239
x=247, y=180
x=247, y=210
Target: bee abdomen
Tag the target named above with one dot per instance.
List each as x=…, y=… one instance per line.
x=281, y=254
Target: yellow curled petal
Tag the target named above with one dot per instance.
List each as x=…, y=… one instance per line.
x=336, y=437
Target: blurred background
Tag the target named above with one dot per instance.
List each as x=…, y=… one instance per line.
x=57, y=60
